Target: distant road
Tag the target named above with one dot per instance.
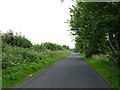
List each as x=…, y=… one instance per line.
x=70, y=72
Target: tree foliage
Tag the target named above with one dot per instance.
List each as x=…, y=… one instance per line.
x=20, y=41
x=97, y=27
x=53, y=46
x=15, y=40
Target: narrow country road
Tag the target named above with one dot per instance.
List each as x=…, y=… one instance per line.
x=70, y=72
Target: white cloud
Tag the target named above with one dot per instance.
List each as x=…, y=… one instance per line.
x=39, y=20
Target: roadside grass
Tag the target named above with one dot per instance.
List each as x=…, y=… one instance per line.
x=105, y=68
x=17, y=74
x=0, y=79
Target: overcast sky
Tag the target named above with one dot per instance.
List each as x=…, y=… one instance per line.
x=39, y=20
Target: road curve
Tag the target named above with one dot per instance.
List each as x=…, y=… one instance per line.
x=70, y=72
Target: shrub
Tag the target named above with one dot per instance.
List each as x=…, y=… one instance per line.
x=65, y=47
x=23, y=42
x=29, y=56
x=10, y=39
x=50, y=46
x=38, y=48
x=115, y=58
x=5, y=62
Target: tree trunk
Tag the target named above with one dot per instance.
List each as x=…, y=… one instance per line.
x=111, y=44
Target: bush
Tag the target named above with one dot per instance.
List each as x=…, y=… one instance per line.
x=38, y=48
x=10, y=39
x=13, y=55
x=52, y=46
x=89, y=53
x=23, y=42
x=29, y=56
x=5, y=62
x=65, y=47
x=115, y=58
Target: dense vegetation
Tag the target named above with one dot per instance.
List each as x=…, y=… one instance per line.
x=21, y=59
x=15, y=40
x=97, y=28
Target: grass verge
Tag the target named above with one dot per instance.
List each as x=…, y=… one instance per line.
x=15, y=75
x=107, y=70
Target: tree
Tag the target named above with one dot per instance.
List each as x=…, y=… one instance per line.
x=15, y=40
x=96, y=26
x=65, y=47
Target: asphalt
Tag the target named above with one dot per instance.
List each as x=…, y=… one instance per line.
x=70, y=72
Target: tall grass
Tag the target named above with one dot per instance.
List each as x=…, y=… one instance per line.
x=13, y=56
x=21, y=63
x=105, y=68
